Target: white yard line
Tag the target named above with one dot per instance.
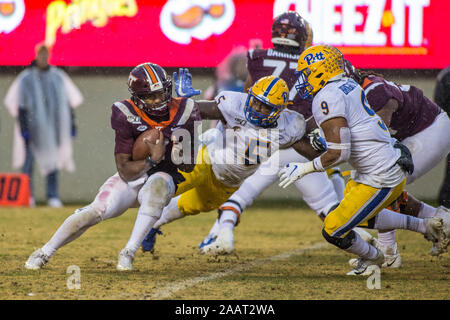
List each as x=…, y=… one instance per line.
x=174, y=287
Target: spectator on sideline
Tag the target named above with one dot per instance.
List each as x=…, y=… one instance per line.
x=42, y=98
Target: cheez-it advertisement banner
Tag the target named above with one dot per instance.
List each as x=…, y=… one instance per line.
x=406, y=34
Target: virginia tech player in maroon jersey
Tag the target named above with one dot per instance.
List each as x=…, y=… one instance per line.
x=290, y=35
x=151, y=106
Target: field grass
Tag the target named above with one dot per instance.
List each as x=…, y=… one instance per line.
x=280, y=255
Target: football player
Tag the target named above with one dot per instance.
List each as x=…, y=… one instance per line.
x=256, y=125
x=419, y=124
x=356, y=134
x=290, y=35
x=151, y=105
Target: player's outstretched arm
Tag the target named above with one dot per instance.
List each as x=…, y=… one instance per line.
x=304, y=147
x=337, y=136
x=209, y=110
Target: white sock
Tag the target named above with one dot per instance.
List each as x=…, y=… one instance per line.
x=72, y=228
x=386, y=239
x=141, y=228
x=390, y=220
x=215, y=228
x=169, y=214
x=228, y=219
x=362, y=248
x=231, y=211
x=426, y=211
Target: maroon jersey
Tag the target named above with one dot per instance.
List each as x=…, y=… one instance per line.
x=129, y=122
x=266, y=62
x=415, y=111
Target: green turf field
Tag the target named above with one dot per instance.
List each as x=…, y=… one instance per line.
x=280, y=254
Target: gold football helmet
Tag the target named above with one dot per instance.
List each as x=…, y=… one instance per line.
x=273, y=93
x=316, y=66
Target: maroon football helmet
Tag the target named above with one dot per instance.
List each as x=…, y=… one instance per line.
x=146, y=80
x=290, y=29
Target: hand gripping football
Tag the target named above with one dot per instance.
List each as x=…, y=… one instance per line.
x=140, y=149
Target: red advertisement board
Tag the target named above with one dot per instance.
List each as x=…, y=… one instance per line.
x=407, y=34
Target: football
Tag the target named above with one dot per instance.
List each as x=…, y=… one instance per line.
x=140, y=149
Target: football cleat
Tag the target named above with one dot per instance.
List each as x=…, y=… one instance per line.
x=36, y=260
x=434, y=232
x=125, y=262
x=210, y=238
x=149, y=242
x=392, y=258
x=364, y=266
x=223, y=244
x=443, y=213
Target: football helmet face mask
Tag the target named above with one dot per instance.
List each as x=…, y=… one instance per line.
x=290, y=29
x=316, y=66
x=349, y=69
x=150, y=81
x=266, y=99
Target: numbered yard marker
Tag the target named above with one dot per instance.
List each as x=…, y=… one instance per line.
x=14, y=189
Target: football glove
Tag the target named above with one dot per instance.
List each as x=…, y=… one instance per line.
x=405, y=161
x=183, y=84
x=148, y=244
x=294, y=171
x=316, y=141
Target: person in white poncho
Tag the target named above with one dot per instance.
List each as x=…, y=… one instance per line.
x=42, y=99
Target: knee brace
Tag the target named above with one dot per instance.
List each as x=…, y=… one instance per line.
x=342, y=243
x=156, y=192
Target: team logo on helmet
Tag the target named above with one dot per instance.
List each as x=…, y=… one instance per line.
x=316, y=66
x=147, y=80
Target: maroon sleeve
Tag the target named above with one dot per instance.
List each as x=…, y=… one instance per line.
x=379, y=92
x=124, y=140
